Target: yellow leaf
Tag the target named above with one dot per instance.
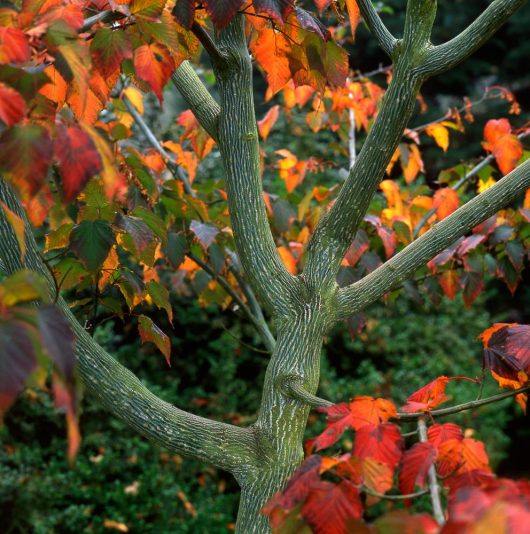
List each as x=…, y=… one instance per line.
x=18, y=227
x=440, y=134
x=485, y=184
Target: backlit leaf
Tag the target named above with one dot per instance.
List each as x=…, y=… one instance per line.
x=415, y=466
x=154, y=64
x=504, y=145
x=78, y=159
x=149, y=331
x=14, y=47
x=109, y=49
x=445, y=201
x=428, y=397
x=12, y=105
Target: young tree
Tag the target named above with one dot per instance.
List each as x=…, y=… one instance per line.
x=143, y=38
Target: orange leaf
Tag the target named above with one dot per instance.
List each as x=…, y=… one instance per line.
x=449, y=282
x=415, y=466
x=445, y=201
x=411, y=162
x=265, y=125
x=354, y=15
x=154, y=64
x=288, y=259
x=428, y=397
x=271, y=50
x=504, y=145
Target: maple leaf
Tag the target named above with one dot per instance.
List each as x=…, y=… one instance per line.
x=329, y=507
x=428, y=397
x=449, y=280
x=507, y=350
x=440, y=433
x=154, y=64
x=78, y=159
x=445, y=201
x=265, y=125
x=271, y=50
x=359, y=412
x=12, y=105
x=14, y=47
x=440, y=134
x=415, y=466
x=149, y=331
x=109, y=48
x=25, y=155
x=381, y=442
x=503, y=144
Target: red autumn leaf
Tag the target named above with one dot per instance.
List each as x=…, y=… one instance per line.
x=471, y=242
x=265, y=125
x=415, y=466
x=372, y=473
x=26, y=152
x=277, y=10
x=445, y=201
x=78, y=159
x=354, y=14
x=428, y=397
x=507, y=349
x=329, y=507
x=449, y=280
x=154, y=64
x=503, y=144
x=359, y=412
x=17, y=360
x=438, y=433
x=382, y=442
x=222, y=11
x=296, y=491
x=12, y=105
x=109, y=48
x=149, y=331
x=387, y=235
x=14, y=46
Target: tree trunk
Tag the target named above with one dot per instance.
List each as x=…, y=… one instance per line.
x=282, y=420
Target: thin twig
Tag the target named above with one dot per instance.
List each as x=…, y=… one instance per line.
x=434, y=488
x=176, y=170
x=395, y=497
x=223, y=282
x=233, y=336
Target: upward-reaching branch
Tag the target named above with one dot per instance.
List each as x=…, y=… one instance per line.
x=225, y=446
x=238, y=143
x=441, y=235
x=376, y=26
x=447, y=55
x=336, y=229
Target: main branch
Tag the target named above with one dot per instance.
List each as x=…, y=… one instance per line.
x=450, y=54
x=120, y=391
x=238, y=143
x=403, y=265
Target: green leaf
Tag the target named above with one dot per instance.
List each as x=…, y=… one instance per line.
x=109, y=48
x=139, y=231
x=176, y=248
x=92, y=241
x=160, y=296
x=149, y=331
x=23, y=286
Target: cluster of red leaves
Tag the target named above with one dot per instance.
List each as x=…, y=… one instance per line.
x=378, y=461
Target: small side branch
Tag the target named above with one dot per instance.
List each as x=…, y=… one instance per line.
x=450, y=54
x=403, y=265
x=464, y=406
x=260, y=326
x=177, y=171
x=434, y=488
x=197, y=97
x=376, y=26
x=292, y=386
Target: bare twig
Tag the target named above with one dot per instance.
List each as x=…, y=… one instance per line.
x=395, y=497
x=176, y=170
x=434, y=488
